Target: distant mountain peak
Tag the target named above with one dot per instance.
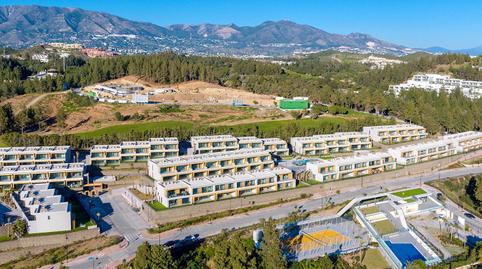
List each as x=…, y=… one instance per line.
x=32, y=25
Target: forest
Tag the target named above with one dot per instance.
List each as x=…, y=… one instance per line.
x=349, y=84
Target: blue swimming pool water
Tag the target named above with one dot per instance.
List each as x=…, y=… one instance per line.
x=405, y=252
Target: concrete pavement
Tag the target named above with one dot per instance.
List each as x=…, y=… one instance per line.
x=126, y=221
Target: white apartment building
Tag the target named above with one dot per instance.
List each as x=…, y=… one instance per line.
x=213, y=143
x=436, y=82
x=422, y=152
x=466, y=141
x=69, y=174
x=391, y=134
x=209, y=164
x=331, y=143
x=276, y=146
x=134, y=151
x=213, y=188
x=35, y=155
x=43, y=209
x=351, y=166
x=250, y=142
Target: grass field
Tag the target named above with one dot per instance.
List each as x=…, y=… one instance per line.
x=374, y=260
x=384, y=227
x=138, y=127
x=156, y=205
x=409, y=193
x=369, y=210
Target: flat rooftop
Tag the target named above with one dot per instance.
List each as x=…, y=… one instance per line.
x=18, y=169
x=207, y=157
x=20, y=150
x=212, y=138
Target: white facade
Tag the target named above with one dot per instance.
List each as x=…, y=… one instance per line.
x=331, y=143
x=209, y=164
x=213, y=143
x=466, y=141
x=436, y=82
x=70, y=174
x=213, y=188
x=134, y=151
x=422, y=152
x=391, y=134
x=43, y=209
x=34, y=155
x=351, y=166
x=276, y=146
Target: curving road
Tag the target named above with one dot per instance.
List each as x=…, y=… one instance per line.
x=126, y=222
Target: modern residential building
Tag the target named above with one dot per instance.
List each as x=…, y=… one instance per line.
x=436, y=82
x=210, y=164
x=35, y=155
x=212, y=188
x=213, y=143
x=276, y=146
x=134, y=151
x=466, y=141
x=69, y=174
x=331, y=143
x=43, y=209
x=422, y=152
x=352, y=166
x=250, y=142
x=391, y=134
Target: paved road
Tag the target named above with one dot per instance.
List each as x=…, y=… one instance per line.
x=126, y=221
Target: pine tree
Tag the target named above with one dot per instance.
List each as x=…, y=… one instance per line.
x=271, y=253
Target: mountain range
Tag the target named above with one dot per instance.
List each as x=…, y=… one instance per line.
x=24, y=26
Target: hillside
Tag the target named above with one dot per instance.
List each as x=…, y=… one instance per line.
x=23, y=26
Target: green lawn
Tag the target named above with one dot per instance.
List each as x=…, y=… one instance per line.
x=156, y=205
x=374, y=260
x=369, y=210
x=313, y=181
x=265, y=126
x=138, y=127
x=409, y=193
x=4, y=238
x=410, y=200
x=384, y=227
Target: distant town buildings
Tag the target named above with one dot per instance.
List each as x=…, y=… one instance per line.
x=331, y=143
x=41, y=57
x=66, y=46
x=391, y=134
x=97, y=53
x=436, y=82
x=43, y=209
x=213, y=188
x=379, y=62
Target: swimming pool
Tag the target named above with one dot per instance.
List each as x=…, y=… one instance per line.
x=405, y=252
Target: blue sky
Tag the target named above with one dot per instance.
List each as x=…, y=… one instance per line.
x=452, y=24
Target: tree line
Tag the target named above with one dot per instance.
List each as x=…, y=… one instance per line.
x=351, y=84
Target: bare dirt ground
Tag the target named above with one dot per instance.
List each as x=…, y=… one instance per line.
x=102, y=115
x=194, y=92
x=19, y=102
